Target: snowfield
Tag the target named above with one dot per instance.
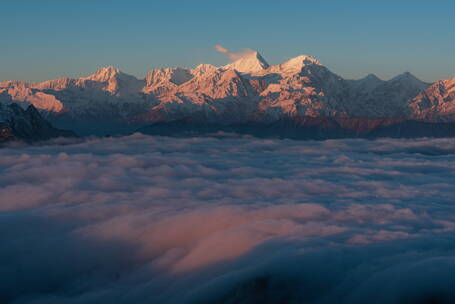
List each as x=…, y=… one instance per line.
x=143, y=219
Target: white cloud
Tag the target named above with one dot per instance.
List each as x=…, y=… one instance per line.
x=231, y=55
x=203, y=220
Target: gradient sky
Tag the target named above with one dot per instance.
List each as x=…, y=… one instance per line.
x=55, y=38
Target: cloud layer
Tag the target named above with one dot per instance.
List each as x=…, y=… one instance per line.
x=237, y=220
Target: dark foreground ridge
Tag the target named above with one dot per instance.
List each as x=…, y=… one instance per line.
x=316, y=128
x=26, y=125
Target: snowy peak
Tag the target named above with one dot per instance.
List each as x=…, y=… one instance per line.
x=176, y=76
x=203, y=69
x=250, y=63
x=217, y=85
x=112, y=80
x=404, y=76
x=104, y=74
x=409, y=81
x=371, y=77
x=366, y=84
x=408, y=78
x=293, y=66
x=299, y=62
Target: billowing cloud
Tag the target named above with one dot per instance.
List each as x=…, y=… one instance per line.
x=231, y=55
x=143, y=219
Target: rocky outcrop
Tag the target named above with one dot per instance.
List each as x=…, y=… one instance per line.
x=436, y=103
x=26, y=125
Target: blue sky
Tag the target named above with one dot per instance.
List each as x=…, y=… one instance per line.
x=49, y=38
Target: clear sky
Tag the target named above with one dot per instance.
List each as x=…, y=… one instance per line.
x=54, y=38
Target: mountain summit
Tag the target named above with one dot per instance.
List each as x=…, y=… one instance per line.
x=104, y=74
x=250, y=63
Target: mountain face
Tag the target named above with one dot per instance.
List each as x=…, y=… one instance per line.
x=378, y=98
x=436, y=103
x=27, y=125
x=303, y=87
x=250, y=63
x=248, y=90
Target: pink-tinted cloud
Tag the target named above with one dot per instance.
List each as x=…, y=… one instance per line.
x=231, y=55
x=161, y=220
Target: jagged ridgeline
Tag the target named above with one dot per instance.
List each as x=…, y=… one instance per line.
x=26, y=125
x=246, y=92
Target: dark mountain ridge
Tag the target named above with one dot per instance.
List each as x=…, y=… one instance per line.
x=27, y=125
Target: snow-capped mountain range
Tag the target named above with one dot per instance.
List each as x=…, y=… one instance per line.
x=247, y=90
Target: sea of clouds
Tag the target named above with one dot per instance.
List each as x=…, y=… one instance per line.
x=144, y=219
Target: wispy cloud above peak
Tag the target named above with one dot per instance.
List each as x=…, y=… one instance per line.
x=232, y=55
